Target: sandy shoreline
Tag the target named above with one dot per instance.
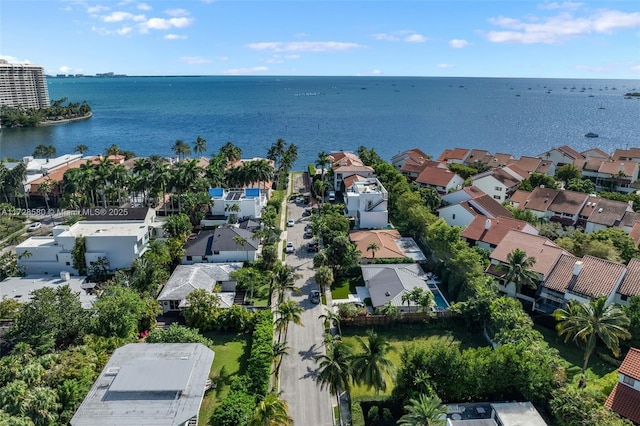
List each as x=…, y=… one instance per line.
x=66, y=120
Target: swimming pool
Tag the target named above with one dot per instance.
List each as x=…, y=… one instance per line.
x=441, y=302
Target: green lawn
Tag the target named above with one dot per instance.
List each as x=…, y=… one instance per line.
x=229, y=361
x=574, y=355
x=403, y=335
x=341, y=289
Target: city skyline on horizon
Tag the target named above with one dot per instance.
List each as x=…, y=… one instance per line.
x=585, y=40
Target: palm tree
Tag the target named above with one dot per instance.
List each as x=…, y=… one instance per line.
x=81, y=149
x=424, y=411
x=324, y=277
x=322, y=161
x=591, y=321
x=335, y=369
x=279, y=351
x=200, y=146
x=518, y=270
x=276, y=151
x=407, y=297
x=230, y=152
x=288, y=312
x=181, y=149
x=271, y=411
x=113, y=150
x=259, y=171
x=373, y=248
x=332, y=317
x=44, y=151
x=371, y=364
x=45, y=189
x=283, y=279
x=320, y=187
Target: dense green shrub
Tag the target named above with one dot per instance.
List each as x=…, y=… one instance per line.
x=237, y=407
x=277, y=197
x=177, y=334
x=259, y=364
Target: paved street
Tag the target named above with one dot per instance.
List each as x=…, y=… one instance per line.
x=307, y=404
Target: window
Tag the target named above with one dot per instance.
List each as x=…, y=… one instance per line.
x=497, y=197
x=216, y=252
x=174, y=305
x=498, y=188
x=453, y=216
x=189, y=257
x=628, y=380
x=623, y=297
x=68, y=263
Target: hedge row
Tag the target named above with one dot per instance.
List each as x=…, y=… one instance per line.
x=276, y=200
x=239, y=404
x=261, y=358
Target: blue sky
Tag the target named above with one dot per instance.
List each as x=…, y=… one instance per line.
x=516, y=38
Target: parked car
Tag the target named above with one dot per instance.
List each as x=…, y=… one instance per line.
x=307, y=212
x=312, y=246
x=34, y=226
x=314, y=296
x=308, y=234
x=290, y=248
x=332, y=196
x=308, y=227
x=290, y=223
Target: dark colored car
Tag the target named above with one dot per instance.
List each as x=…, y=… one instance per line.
x=308, y=234
x=314, y=296
x=312, y=246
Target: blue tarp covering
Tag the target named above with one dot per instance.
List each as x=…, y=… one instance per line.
x=216, y=192
x=252, y=192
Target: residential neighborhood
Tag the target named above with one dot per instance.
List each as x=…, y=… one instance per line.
x=211, y=290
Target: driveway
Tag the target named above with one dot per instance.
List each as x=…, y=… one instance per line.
x=308, y=405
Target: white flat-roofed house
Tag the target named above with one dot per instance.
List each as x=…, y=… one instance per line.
x=121, y=242
x=367, y=202
x=159, y=384
x=231, y=205
x=20, y=288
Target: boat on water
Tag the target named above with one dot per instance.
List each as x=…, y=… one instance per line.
x=591, y=135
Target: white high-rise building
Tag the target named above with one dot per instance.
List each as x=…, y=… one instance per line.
x=23, y=85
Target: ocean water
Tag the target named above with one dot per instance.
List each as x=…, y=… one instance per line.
x=518, y=116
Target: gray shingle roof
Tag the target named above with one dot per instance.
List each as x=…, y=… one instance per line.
x=187, y=278
x=387, y=283
x=220, y=239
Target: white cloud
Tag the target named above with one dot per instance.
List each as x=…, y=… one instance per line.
x=122, y=16
x=246, y=71
x=97, y=9
x=164, y=24
x=301, y=35
x=195, y=60
x=444, y=66
x=175, y=37
x=407, y=36
x=124, y=30
x=68, y=70
x=415, y=38
x=304, y=46
x=457, y=43
x=568, y=5
x=222, y=58
x=635, y=68
x=559, y=28
x=376, y=72
x=144, y=6
x=177, y=12
x=14, y=60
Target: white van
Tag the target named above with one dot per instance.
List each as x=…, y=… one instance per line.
x=332, y=196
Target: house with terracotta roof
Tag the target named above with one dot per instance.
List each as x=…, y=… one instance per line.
x=487, y=233
x=500, y=160
x=385, y=239
x=543, y=250
x=478, y=157
x=464, y=194
x=584, y=279
x=595, y=152
x=345, y=164
x=566, y=207
x=454, y=156
x=413, y=156
x=367, y=202
x=630, y=284
x=561, y=155
x=539, y=200
x=413, y=170
x=440, y=179
x=519, y=197
x=624, y=399
x=617, y=176
x=631, y=154
x=535, y=165
x=628, y=220
x=463, y=213
x=498, y=183
x=600, y=213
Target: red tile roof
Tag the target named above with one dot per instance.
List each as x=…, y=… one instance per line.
x=542, y=249
x=529, y=164
x=384, y=239
x=540, y=199
x=520, y=196
x=458, y=154
x=486, y=204
x=436, y=176
x=561, y=276
x=597, y=277
x=626, y=153
x=634, y=234
x=56, y=175
x=594, y=152
x=476, y=155
x=631, y=364
x=350, y=180
x=566, y=149
x=614, y=167
x=625, y=401
x=476, y=231
x=631, y=283
x=593, y=164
